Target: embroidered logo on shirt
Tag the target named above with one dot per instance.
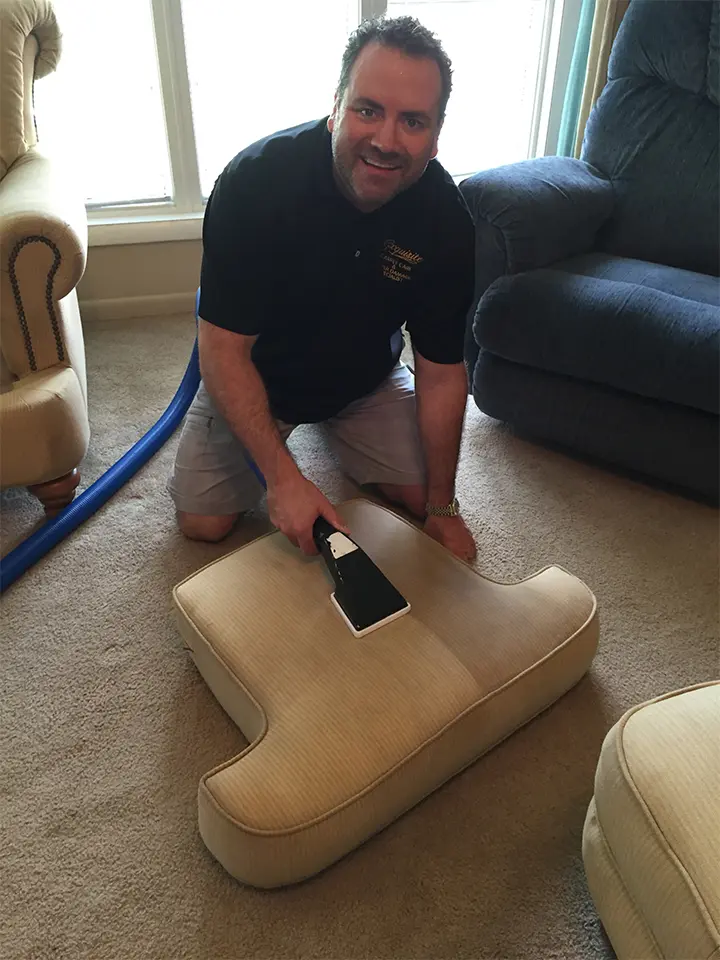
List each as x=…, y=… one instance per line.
x=398, y=261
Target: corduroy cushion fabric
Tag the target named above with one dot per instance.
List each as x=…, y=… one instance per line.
x=651, y=843
x=347, y=734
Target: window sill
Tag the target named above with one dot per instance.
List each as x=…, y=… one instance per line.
x=108, y=231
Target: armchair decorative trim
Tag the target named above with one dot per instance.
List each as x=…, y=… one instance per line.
x=48, y=298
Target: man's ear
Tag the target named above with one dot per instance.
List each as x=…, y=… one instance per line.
x=333, y=115
x=435, y=142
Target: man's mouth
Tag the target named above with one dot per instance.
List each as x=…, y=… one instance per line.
x=380, y=165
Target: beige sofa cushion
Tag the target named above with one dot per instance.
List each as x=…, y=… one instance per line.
x=651, y=842
x=346, y=734
x=45, y=430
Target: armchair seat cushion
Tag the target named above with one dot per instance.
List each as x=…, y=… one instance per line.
x=638, y=327
x=45, y=430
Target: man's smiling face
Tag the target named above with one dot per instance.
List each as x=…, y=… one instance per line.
x=385, y=127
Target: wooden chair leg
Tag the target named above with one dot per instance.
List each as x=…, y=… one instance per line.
x=56, y=494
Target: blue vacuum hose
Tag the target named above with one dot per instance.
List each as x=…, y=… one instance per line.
x=42, y=541
x=364, y=596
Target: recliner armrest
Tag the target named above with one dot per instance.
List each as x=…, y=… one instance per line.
x=43, y=253
x=533, y=213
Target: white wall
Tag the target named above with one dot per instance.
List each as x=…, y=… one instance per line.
x=139, y=280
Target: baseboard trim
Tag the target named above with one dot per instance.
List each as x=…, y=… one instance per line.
x=127, y=308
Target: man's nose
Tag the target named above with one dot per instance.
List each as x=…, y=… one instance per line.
x=385, y=136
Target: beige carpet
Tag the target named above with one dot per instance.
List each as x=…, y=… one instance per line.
x=107, y=727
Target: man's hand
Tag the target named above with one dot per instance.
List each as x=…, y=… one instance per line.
x=452, y=533
x=294, y=505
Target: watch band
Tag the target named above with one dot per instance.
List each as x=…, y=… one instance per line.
x=450, y=510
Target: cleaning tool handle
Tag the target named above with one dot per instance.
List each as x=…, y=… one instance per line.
x=322, y=530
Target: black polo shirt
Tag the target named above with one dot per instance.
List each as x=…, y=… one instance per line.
x=324, y=286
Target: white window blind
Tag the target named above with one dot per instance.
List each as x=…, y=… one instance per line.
x=102, y=109
x=496, y=48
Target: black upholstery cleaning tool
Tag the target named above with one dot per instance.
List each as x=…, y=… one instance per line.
x=363, y=594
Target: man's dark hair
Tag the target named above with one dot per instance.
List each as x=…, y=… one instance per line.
x=405, y=34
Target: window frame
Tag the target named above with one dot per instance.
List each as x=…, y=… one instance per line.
x=181, y=218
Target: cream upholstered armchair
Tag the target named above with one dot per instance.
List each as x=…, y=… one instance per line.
x=44, y=431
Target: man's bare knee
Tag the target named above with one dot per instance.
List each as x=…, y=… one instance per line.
x=195, y=526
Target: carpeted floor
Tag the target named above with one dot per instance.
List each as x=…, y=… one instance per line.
x=107, y=726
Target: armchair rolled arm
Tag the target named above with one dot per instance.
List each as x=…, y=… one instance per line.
x=36, y=199
x=43, y=253
x=534, y=213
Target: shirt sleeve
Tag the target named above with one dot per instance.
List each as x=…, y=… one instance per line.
x=235, y=271
x=438, y=331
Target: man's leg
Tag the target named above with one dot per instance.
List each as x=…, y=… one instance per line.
x=211, y=483
x=195, y=526
x=378, y=443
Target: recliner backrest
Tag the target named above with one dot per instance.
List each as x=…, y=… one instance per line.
x=655, y=132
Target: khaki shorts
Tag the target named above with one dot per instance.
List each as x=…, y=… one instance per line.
x=375, y=438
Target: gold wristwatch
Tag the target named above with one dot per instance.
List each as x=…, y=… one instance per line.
x=451, y=510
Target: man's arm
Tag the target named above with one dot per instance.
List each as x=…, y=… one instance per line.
x=441, y=397
x=232, y=380
x=234, y=383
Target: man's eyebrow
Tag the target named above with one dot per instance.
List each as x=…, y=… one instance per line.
x=418, y=115
x=367, y=102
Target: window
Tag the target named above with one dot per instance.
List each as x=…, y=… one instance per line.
x=273, y=65
x=495, y=47
x=153, y=97
x=102, y=108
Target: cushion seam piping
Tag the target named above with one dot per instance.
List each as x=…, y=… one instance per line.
x=655, y=826
x=616, y=871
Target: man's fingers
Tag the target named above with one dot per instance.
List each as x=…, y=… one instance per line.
x=333, y=517
x=306, y=543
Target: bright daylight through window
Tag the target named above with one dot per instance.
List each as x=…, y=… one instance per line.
x=253, y=68
x=103, y=106
x=274, y=64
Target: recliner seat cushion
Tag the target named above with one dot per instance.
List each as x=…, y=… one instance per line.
x=624, y=333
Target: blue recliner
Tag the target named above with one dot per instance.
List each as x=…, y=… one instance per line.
x=596, y=325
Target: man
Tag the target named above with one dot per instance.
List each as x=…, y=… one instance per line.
x=319, y=243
